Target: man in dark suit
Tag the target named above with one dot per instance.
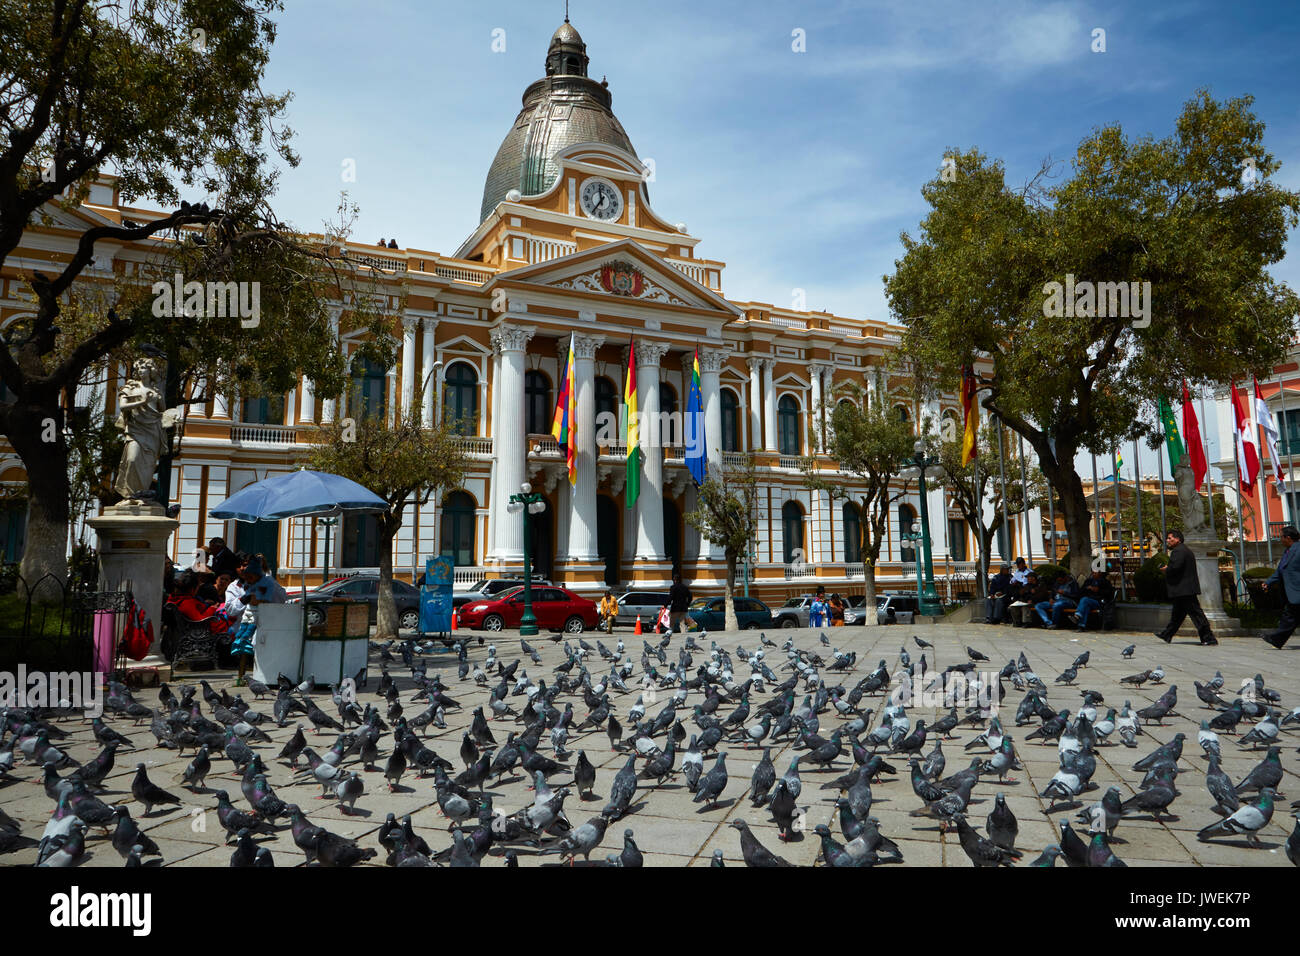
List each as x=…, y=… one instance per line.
x=1288, y=574
x=1183, y=586
x=999, y=595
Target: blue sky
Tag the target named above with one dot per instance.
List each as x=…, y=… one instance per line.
x=799, y=170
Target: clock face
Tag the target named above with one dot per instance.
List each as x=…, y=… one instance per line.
x=601, y=200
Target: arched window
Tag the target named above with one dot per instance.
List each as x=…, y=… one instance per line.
x=369, y=389
x=730, y=420
x=537, y=403
x=460, y=398
x=906, y=526
x=792, y=532
x=669, y=431
x=901, y=412
x=264, y=410
x=787, y=419
x=458, y=522
x=852, y=534
x=606, y=409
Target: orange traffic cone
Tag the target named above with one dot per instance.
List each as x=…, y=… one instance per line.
x=453, y=621
x=637, y=629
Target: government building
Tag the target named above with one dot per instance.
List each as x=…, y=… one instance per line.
x=568, y=242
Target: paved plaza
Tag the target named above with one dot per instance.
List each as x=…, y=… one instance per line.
x=672, y=830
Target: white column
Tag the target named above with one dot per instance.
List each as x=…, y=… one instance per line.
x=650, y=501
x=510, y=443
x=409, y=326
x=769, y=406
x=711, y=363
x=426, y=367
x=220, y=406
x=582, y=520
x=329, y=407
x=496, y=510
x=815, y=419
x=308, y=411
x=871, y=388
x=755, y=404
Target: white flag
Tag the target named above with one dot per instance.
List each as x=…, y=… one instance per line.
x=1265, y=419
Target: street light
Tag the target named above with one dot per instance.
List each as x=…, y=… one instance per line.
x=529, y=503
x=914, y=469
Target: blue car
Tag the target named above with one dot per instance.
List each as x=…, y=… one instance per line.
x=708, y=615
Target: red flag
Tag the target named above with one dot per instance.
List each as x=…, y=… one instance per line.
x=1265, y=420
x=1247, y=455
x=1192, y=438
x=970, y=415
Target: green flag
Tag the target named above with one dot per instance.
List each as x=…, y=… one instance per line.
x=1173, y=439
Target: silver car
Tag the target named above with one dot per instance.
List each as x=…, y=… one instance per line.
x=645, y=604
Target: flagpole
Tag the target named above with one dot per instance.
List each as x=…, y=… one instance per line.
x=1096, y=505
x=1137, y=485
x=1290, y=458
x=1209, y=473
x=1241, y=512
x=1161, y=451
x=1119, y=527
x=1002, y=471
x=1024, y=493
x=1263, y=479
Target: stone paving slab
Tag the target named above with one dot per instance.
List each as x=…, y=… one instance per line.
x=670, y=828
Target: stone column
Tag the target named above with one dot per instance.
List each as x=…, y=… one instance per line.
x=755, y=404
x=409, y=325
x=307, y=408
x=496, y=509
x=426, y=368
x=221, y=406
x=871, y=388
x=511, y=443
x=769, y=407
x=711, y=363
x=650, y=502
x=329, y=407
x=582, y=521
x=817, y=432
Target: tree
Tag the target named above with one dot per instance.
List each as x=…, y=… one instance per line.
x=167, y=94
x=1194, y=214
x=974, y=484
x=1225, y=516
x=870, y=443
x=403, y=463
x=725, y=514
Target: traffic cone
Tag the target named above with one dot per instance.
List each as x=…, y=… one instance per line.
x=453, y=622
x=637, y=629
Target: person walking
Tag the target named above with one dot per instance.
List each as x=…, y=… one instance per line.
x=679, y=599
x=1183, y=586
x=1288, y=573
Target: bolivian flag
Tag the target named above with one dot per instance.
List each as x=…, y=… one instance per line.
x=970, y=412
x=631, y=431
x=566, y=408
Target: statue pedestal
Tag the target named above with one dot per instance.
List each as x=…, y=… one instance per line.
x=132, y=546
x=1206, y=550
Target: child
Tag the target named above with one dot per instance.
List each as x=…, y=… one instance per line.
x=241, y=647
x=663, y=621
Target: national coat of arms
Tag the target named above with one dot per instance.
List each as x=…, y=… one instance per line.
x=622, y=278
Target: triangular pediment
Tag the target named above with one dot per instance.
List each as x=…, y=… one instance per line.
x=621, y=270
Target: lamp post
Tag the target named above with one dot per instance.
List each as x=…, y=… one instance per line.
x=327, y=524
x=915, y=468
x=529, y=503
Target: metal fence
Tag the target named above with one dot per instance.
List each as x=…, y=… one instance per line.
x=52, y=624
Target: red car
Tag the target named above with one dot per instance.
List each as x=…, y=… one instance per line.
x=556, y=609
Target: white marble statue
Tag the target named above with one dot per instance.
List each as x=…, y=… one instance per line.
x=144, y=421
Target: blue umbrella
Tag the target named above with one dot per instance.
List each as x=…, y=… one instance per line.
x=297, y=494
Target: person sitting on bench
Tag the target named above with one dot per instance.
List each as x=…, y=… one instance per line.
x=1097, y=593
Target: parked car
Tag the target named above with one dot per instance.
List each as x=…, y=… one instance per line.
x=709, y=614
x=643, y=603
x=489, y=588
x=896, y=608
x=556, y=609
x=362, y=587
x=793, y=613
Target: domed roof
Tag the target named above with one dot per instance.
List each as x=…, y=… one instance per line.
x=563, y=109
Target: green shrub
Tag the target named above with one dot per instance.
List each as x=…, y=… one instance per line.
x=1262, y=598
x=1149, y=580
x=1047, y=572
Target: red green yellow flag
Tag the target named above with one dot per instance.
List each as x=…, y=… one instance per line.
x=631, y=431
x=563, y=427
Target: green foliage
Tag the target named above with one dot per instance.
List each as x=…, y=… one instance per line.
x=1047, y=572
x=1254, y=618
x=1175, y=212
x=1149, y=580
x=727, y=515
x=1225, y=516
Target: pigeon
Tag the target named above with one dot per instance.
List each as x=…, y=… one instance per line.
x=713, y=783
x=1267, y=773
x=581, y=839
x=584, y=775
x=1127, y=653
x=197, y=771
x=1247, y=820
x=763, y=779
x=753, y=852
x=128, y=836
x=1100, y=853
x=631, y=856
x=1001, y=824
x=981, y=851
x=1048, y=857
x=144, y=790
x=1226, y=799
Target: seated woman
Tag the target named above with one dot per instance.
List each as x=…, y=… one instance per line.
x=837, y=611
x=186, y=602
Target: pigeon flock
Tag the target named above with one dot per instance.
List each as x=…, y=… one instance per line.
x=499, y=766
